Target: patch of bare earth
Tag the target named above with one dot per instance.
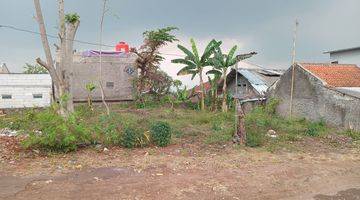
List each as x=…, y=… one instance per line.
x=183, y=171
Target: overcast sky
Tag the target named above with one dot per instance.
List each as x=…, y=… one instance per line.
x=264, y=26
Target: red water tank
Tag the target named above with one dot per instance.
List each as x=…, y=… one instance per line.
x=122, y=46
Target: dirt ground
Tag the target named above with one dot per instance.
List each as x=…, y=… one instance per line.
x=181, y=171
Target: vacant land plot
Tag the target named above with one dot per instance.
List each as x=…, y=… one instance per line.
x=200, y=163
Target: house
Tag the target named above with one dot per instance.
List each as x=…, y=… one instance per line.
x=349, y=55
x=322, y=91
x=118, y=72
x=251, y=83
x=25, y=90
x=4, y=69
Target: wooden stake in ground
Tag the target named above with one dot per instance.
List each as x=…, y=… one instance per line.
x=240, y=132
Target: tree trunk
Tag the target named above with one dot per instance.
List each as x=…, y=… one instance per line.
x=214, y=98
x=224, y=103
x=49, y=64
x=202, y=93
x=240, y=134
x=68, y=62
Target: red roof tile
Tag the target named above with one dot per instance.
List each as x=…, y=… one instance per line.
x=207, y=87
x=336, y=75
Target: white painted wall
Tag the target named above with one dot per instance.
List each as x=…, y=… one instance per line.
x=22, y=87
x=346, y=57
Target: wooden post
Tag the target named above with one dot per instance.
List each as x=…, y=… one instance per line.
x=240, y=132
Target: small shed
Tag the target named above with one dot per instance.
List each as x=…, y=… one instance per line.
x=251, y=83
x=25, y=90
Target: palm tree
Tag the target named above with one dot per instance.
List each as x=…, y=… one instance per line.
x=194, y=64
x=221, y=63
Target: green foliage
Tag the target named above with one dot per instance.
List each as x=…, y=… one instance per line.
x=34, y=69
x=90, y=87
x=160, y=133
x=271, y=106
x=161, y=36
x=72, y=18
x=54, y=133
x=355, y=135
x=108, y=129
x=218, y=138
x=222, y=129
x=316, y=128
x=148, y=62
x=255, y=139
x=194, y=63
x=161, y=85
x=129, y=139
x=263, y=118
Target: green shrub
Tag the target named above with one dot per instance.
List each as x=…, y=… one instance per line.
x=55, y=133
x=315, y=128
x=160, y=133
x=129, y=138
x=23, y=120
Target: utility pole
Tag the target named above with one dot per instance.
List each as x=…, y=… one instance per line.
x=293, y=67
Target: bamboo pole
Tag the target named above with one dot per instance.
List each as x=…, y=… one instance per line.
x=293, y=68
x=100, y=63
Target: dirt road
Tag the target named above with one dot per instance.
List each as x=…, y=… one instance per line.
x=182, y=172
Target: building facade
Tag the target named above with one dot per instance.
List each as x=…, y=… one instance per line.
x=321, y=92
x=118, y=73
x=341, y=56
x=25, y=90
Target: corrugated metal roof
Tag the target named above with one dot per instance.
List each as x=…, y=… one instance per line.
x=256, y=82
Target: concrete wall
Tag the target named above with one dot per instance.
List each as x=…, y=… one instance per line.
x=314, y=101
x=116, y=77
x=346, y=57
x=22, y=88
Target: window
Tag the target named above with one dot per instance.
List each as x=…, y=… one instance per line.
x=37, y=96
x=6, y=96
x=110, y=85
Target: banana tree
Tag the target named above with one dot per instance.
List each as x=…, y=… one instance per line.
x=221, y=63
x=213, y=92
x=195, y=64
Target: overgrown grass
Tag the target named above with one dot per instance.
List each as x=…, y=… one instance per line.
x=355, y=135
x=263, y=118
x=130, y=127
